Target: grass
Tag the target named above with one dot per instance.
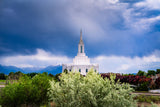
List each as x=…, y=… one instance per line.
x=2, y=82
x=141, y=91
x=148, y=99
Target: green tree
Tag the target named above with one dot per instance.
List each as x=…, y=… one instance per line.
x=57, y=77
x=141, y=73
x=158, y=71
x=11, y=75
x=51, y=75
x=151, y=72
x=32, y=92
x=32, y=74
x=74, y=90
x=2, y=76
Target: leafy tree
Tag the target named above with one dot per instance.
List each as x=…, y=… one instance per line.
x=57, y=77
x=11, y=75
x=45, y=73
x=141, y=73
x=15, y=94
x=32, y=74
x=158, y=71
x=31, y=92
x=151, y=72
x=2, y=76
x=18, y=73
x=51, y=75
x=90, y=91
x=15, y=76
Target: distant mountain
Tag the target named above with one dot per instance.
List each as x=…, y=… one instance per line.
x=50, y=69
x=8, y=69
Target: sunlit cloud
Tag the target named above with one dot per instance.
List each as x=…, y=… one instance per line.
x=121, y=64
x=116, y=64
x=40, y=59
x=149, y=4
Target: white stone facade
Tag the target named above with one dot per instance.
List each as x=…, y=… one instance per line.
x=81, y=62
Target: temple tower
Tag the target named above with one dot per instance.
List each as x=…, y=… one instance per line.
x=81, y=62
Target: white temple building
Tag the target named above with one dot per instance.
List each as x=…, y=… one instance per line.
x=81, y=62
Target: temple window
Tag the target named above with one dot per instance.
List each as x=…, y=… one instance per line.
x=81, y=49
x=86, y=70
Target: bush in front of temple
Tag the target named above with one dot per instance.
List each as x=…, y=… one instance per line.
x=74, y=90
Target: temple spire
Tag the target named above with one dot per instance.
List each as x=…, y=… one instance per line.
x=81, y=34
x=81, y=45
x=81, y=41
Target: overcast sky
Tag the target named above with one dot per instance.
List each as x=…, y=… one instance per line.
x=120, y=35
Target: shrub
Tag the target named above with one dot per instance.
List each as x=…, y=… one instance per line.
x=26, y=91
x=131, y=79
x=32, y=74
x=148, y=99
x=90, y=91
x=143, y=87
x=2, y=76
x=57, y=77
x=157, y=82
x=14, y=94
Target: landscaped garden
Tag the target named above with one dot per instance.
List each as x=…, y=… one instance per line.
x=72, y=89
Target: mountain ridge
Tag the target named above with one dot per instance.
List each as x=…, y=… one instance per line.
x=50, y=69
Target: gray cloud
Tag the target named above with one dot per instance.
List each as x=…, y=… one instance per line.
x=108, y=26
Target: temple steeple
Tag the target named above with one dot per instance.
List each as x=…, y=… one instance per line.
x=81, y=41
x=81, y=45
x=81, y=62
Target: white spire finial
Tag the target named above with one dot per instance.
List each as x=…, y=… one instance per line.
x=81, y=34
x=81, y=41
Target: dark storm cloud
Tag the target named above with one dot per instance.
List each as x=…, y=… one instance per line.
x=122, y=34
x=27, y=25
x=109, y=27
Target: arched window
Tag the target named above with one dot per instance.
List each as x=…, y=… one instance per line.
x=86, y=70
x=79, y=70
x=81, y=49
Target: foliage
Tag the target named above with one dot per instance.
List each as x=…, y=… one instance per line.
x=151, y=72
x=148, y=99
x=131, y=79
x=158, y=71
x=143, y=87
x=142, y=82
x=65, y=71
x=32, y=74
x=157, y=82
x=51, y=75
x=57, y=77
x=3, y=81
x=2, y=76
x=26, y=91
x=141, y=73
x=15, y=76
x=90, y=91
x=152, y=85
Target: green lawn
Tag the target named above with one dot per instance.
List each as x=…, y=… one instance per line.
x=2, y=82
